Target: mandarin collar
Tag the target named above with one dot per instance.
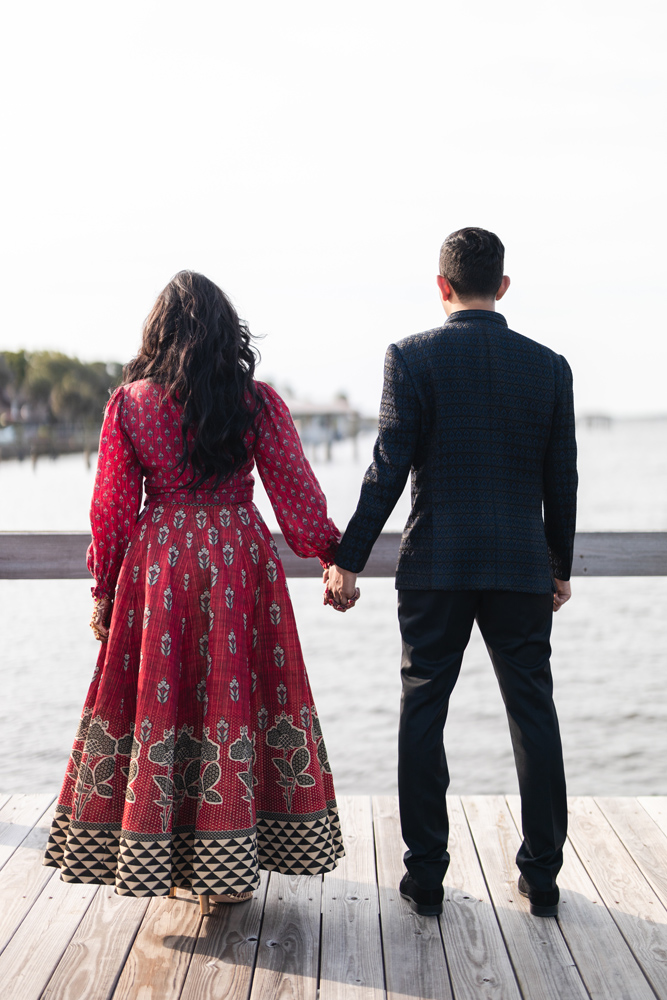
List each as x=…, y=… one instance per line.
x=462, y=315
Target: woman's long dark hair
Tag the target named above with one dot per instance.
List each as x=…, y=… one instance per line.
x=198, y=350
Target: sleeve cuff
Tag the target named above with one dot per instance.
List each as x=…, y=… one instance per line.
x=328, y=558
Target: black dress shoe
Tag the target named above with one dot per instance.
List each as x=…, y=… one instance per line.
x=542, y=904
x=426, y=902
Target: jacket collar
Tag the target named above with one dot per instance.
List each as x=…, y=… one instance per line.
x=463, y=315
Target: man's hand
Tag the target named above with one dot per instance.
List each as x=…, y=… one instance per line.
x=563, y=593
x=341, y=583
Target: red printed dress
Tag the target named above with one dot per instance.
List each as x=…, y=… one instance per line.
x=199, y=756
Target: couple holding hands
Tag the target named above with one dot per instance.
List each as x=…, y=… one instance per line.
x=199, y=757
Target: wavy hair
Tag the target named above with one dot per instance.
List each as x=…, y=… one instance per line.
x=198, y=350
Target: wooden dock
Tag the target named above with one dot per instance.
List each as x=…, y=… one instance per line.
x=350, y=935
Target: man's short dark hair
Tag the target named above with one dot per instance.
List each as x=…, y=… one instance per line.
x=472, y=261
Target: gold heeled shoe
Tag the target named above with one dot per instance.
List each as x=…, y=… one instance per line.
x=227, y=897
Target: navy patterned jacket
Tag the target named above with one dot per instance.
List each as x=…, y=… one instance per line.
x=484, y=418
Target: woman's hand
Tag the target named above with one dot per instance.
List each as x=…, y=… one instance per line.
x=101, y=618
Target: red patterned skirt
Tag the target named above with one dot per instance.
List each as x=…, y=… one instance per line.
x=199, y=757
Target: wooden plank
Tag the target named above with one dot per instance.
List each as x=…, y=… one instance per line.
x=479, y=965
x=94, y=958
x=287, y=956
x=606, y=963
x=596, y=553
x=43, y=555
x=158, y=961
x=620, y=553
x=637, y=911
x=48, y=555
x=18, y=816
x=224, y=957
x=542, y=961
x=23, y=878
x=351, y=964
x=28, y=961
x=415, y=964
x=656, y=807
x=4, y=799
x=61, y=555
x=642, y=837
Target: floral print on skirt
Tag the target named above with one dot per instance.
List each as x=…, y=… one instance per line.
x=199, y=756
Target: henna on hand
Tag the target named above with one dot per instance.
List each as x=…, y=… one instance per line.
x=330, y=599
x=101, y=618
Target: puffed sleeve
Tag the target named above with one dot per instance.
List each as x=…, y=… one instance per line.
x=116, y=497
x=295, y=494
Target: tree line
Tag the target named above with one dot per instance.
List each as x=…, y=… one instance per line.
x=47, y=387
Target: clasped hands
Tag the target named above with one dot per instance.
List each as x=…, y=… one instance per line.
x=340, y=589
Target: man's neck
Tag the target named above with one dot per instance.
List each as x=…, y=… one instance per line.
x=488, y=305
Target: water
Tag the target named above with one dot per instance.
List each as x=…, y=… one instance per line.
x=609, y=642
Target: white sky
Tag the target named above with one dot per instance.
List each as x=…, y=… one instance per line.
x=311, y=158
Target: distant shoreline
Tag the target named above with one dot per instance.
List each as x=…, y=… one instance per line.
x=44, y=441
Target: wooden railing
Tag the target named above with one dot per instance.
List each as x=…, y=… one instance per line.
x=45, y=555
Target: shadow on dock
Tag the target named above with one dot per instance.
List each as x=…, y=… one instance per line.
x=350, y=934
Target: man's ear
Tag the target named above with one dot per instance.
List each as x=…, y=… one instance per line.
x=504, y=285
x=445, y=289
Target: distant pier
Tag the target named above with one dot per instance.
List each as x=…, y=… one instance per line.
x=320, y=426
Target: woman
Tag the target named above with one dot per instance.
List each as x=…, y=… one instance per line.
x=199, y=756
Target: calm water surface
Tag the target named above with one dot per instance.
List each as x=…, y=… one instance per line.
x=609, y=662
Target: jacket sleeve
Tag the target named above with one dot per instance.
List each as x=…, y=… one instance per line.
x=398, y=435
x=560, y=479
x=116, y=498
x=295, y=494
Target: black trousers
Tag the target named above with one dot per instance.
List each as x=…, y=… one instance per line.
x=435, y=628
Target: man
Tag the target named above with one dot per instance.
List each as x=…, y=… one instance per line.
x=484, y=419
